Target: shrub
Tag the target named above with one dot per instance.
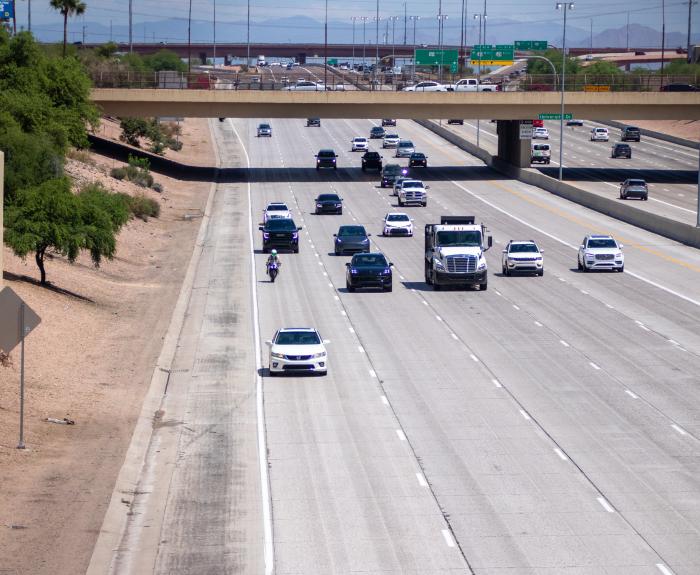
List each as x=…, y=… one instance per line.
x=118, y=173
x=144, y=207
x=174, y=144
x=132, y=130
x=141, y=163
x=156, y=187
x=82, y=156
x=158, y=147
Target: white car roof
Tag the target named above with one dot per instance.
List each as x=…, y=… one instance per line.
x=277, y=205
x=307, y=329
x=396, y=214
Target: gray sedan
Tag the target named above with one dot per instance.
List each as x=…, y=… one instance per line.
x=351, y=239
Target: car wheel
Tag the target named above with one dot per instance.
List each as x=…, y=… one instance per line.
x=425, y=204
x=584, y=267
x=483, y=287
x=646, y=198
x=271, y=373
x=428, y=277
x=388, y=288
x=317, y=168
x=296, y=249
x=400, y=202
x=322, y=373
x=578, y=265
x=505, y=271
x=622, y=269
x=540, y=273
x=349, y=287
x=340, y=212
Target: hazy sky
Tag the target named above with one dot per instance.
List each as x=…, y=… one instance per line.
x=605, y=14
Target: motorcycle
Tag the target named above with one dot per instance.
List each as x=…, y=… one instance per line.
x=272, y=271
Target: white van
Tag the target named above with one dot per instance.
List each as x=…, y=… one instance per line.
x=540, y=153
x=599, y=135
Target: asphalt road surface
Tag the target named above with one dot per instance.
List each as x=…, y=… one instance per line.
x=545, y=426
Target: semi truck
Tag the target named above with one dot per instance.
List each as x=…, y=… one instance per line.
x=454, y=253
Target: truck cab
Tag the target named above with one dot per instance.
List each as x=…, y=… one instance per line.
x=454, y=253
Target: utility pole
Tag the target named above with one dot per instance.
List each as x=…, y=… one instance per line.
x=248, y=37
x=214, y=34
x=690, y=19
x=485, y=18
x=414, y=19
x=663, y=38
x=405, y=22
x=131, y=43
x=29, y=19
x=376, y=57
x=591, y=37
x=110, y=30
x=325, y=49
x=628, y=32
x=189, y=41
x=364, y=40
x=353, y=18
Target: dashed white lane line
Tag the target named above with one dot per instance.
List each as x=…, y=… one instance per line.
x=604, y=503
x=673, y=342
x=561, y=454
x=360, y=349
x=401, y=434
x=448, y=538
x=474, y=358
x=565, y=344
x=631, y=394
x=538, y=324
x=525, y=414
x=351, y=329
x=584, y=292
x=385, y=401
x=609, y=306
x=561, y=279
x=330, y=285
x=437, y=317
x=421, y=480
x=336, y=298
x=372, y=373
x=325, y=274
x=320, y=263
x=454, y=336
x=497, y=292
x=593, y=365
x=679, y=429
x=402, y=278
x=665, y=570
x=496, y=383
x=516, y=307
x=343, y=312
x=424, y=302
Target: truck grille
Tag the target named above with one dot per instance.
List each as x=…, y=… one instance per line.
x=605, y=256
x=461, y=264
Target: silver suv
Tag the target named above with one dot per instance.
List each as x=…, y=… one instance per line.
x=404, y=149
x=599, y=252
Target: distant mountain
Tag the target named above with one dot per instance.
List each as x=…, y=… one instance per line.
x=297, y=29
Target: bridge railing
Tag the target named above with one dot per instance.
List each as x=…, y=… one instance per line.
x=346, y=80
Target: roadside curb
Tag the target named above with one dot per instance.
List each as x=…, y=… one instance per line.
x=677, y=231
x=127, y=483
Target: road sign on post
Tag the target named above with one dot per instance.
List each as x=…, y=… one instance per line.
x=7, y=10
x=437, y=58
x=526, y=130
x=555, y=116
x=531, y=44
x=488, y=55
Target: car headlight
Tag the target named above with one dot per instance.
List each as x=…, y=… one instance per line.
x=482, y=265
x=319, y=205
x=338, y=241
x=618, y=255
x=590, y=256
x=321, y=354
x=438, y=264
x=276, y=355
x=365, y=240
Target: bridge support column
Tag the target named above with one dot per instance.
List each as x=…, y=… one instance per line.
x=511, y=148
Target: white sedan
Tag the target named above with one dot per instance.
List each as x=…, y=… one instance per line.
x=390, y=141
x=359, y=145
x=398, y=224
x=540, y=134
x=426, y=87
x=298, y=350
x=306, y=86
x=276, y=211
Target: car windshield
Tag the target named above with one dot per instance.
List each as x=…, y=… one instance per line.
x=467, y=238
x=377, y=129
x=351, y=231
x=636, y=183
x=326, y=154
x=522, y=248
x=397, y=218
x=264, y=126
x=277, y=208
x=540, y=147
x=631, y=129
x=417, y=156
x=372, y=155
x=405, y=144
x=392, y=169
x=283, y=225
x=360, y=139
x=297, y=338
x=391, y=136
x=369, y=260
x=328, y=198
x=411, y=184
x=602, y=243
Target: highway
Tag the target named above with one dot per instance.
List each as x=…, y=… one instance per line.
x=669, y=169
x=545, y=426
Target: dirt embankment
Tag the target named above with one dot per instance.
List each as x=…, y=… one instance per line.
x=688, y=129
x=90, y=360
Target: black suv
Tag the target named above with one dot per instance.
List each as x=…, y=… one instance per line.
x=314, y=122
x=634, y=188
x=620, y=150
x=368, y=270
x=280, y=233
x=326, y=159
x=418, y=160
x=388, y=122
x=679, y=88
x=329, y=204
x=630, y=133
x=390, y=173
x=455, y=121
x=377, y=132
x=371, y=161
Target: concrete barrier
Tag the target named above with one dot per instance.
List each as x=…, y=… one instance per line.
x=620, y=210
x=657, y=135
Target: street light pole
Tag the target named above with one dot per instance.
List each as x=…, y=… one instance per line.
x=376, y=57
x=628, y=32
x=663, y=38
x=189, y=40
x=353, y=18
x=405, y=23
x=248, y=37
x=364, y=40
x=131, y=43
x=485, y=18
x=565, y=6
x=414, y=19
x=478, y=76
x=393, y=40
x=441, y=19
x=214, y=34
x=325, y=49
x=690, y=19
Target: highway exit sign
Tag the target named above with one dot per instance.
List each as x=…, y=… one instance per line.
x=555, y=116
x=531, y=44
x=488, y=55
x=437, y=58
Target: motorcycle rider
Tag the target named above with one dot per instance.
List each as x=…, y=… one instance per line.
x=274, y=258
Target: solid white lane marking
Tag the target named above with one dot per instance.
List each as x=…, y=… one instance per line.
x=372, y=373
x=385, y=401
x=330, y=285
x=584, y=292
x=360, y=349
x=497, y=292
x=403, y=278
x=679, y=429
x=496, y=383
x=421, y=480
x=524, y=414
x=605, y=504
x=672, y=205
x=631, y=394
x=448, y=538
x=316, y=254
x=593, y=365
x=538, y=324
x=336, y=298
x=325, y=274
x=474, y=358
x=561, y=454
x=665, y=570
x=561, y=341
x=401, y=434
x=561, y=279
x=320, y=263
x=454, y=336
x=645, y=328
x=609, y=306
x=673, y=342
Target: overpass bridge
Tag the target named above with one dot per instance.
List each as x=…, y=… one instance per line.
x=507, y=107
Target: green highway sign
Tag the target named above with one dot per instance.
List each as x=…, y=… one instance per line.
x=531, y=44
x=332, y=61
x=555, y=116
x=487, y=55
x=437, y=58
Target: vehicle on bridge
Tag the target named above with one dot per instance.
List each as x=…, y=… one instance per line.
x=679, y=88
x=298, y=350
x=574, y=122
x=454, y=253
x=370, y=270
x=306, y=86
x=600, y=252
x=634, y=187
x=522, y=256
x=455, y=121
x=427, y=86
x=472, y=85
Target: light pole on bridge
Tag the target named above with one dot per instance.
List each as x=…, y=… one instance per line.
x=565, y=6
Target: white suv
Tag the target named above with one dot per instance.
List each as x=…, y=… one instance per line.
x=276, y=210
x=599, y=135
x=390, y=141
x=598, y=252
x=522, y=256
x=359, y=145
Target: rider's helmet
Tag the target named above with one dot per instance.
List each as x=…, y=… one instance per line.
x=274, y=252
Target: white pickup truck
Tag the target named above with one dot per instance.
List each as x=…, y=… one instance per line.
x=472, y=85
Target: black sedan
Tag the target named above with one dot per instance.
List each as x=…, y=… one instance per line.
x=368, y=270
x=326, y=158
x=351, y=239
x=388, y=122
x=280, y=233
x=329, y=204
x=418, y=160
x=377, y=132
x=371, y=161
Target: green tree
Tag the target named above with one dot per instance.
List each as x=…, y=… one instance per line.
x=67, y=8
x=601, y=68
x=555, y=56
x=165, y=60
x=49, y=218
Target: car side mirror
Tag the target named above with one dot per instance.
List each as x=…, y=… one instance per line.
x=326, y=341
x=299, y=228
x=268, y=342
x=261, y=228
x=390, y=264
x=504, y=251
x=541, y=251
x=336, y=155
x=335, y=235
x=581, y=247
x=490, y=241
x=368, y=235
x=621, y=246
x=347, y=264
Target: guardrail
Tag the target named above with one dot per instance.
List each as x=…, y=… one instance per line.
x=351, y=80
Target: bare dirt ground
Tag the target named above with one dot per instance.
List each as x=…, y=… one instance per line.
x=90, y=360
x=688, y=129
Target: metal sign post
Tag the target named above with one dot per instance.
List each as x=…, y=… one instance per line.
x=21, y=445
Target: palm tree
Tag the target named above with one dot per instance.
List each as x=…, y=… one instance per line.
x=67, y=8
